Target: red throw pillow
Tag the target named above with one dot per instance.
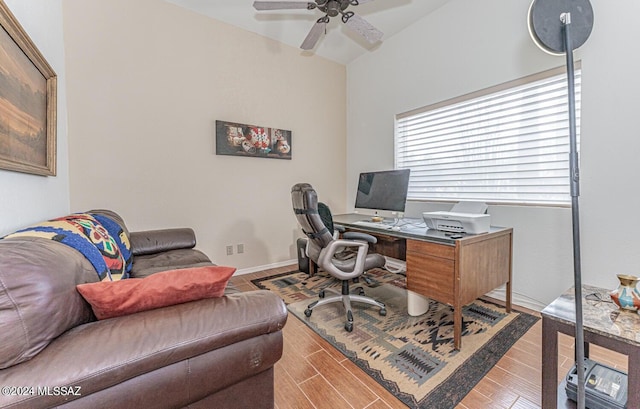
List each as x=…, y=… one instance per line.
x=110, y=299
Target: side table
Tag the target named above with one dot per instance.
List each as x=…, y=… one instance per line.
x=604, y=325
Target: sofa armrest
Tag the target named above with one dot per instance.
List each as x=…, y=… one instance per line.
x=105, y=354
x=157, y=241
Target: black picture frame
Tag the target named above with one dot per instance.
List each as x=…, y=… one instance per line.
x=236, y=139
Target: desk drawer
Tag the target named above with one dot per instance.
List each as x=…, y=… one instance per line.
x=432, y=249
x=389, y=246
x=431, y=276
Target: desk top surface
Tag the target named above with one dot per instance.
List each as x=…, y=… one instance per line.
x=407, y=228
x=599, y=314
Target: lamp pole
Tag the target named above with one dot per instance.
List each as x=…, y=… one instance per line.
x=574, y=175
x=558, y=27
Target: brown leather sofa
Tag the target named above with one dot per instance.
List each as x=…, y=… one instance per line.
x=211, y=353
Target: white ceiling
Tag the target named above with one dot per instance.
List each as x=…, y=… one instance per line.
x=290, y=27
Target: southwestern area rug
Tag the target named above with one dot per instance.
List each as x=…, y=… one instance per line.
x=412, y=357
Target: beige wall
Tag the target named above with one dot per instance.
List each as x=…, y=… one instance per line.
x=469, y=45
x=146, y=82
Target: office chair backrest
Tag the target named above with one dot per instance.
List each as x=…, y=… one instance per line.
x=305, y=205
x=326, y=217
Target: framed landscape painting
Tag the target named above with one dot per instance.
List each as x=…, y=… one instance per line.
x=28, y=89
x=251, y=140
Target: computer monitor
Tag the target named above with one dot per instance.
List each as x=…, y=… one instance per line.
x=383, y=190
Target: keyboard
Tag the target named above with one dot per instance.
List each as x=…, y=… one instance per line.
x=373, y=225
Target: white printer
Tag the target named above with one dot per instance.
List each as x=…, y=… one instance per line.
x=464, y=217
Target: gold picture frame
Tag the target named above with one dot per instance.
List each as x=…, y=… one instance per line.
x=28, y=106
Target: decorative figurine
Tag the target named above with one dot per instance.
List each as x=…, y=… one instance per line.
x=627, y=296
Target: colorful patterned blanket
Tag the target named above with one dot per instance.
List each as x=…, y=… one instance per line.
x=99, y=239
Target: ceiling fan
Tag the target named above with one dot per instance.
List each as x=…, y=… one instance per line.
x=331, y=8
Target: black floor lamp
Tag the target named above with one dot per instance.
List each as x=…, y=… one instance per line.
x=559, y=27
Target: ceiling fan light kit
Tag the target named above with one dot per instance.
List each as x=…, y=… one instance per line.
x=331, y=8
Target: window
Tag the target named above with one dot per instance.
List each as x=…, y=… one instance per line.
x=506, y=144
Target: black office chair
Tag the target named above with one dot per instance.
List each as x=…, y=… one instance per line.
x=336, y=230
x=323, y=249
x=327, y=219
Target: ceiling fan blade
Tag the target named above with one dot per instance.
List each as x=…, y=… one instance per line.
x=364, y=28
x=314, y=35
x=282, y=5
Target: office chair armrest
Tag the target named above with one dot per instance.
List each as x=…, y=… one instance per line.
x=327, y=254
x=337, y=246
x=339, y=228
x=354, y=235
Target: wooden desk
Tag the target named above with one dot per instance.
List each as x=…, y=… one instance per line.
x=450, y=271
x=604, y=324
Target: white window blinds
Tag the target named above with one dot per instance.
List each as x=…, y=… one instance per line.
x=508, y=144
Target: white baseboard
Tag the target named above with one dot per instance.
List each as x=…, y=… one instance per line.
x=250, y=270
x=516, y=299
x=394, y=264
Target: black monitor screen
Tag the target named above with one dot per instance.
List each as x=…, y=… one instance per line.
x=385, y=190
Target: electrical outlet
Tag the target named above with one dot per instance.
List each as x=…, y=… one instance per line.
x=229, y=250
x=240, y=248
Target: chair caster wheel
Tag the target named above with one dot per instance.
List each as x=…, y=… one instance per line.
x=348, y=326
x=383, y=312
x=321, y=294
x=308, y=312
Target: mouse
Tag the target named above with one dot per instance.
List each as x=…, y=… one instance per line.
x=396, y=228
